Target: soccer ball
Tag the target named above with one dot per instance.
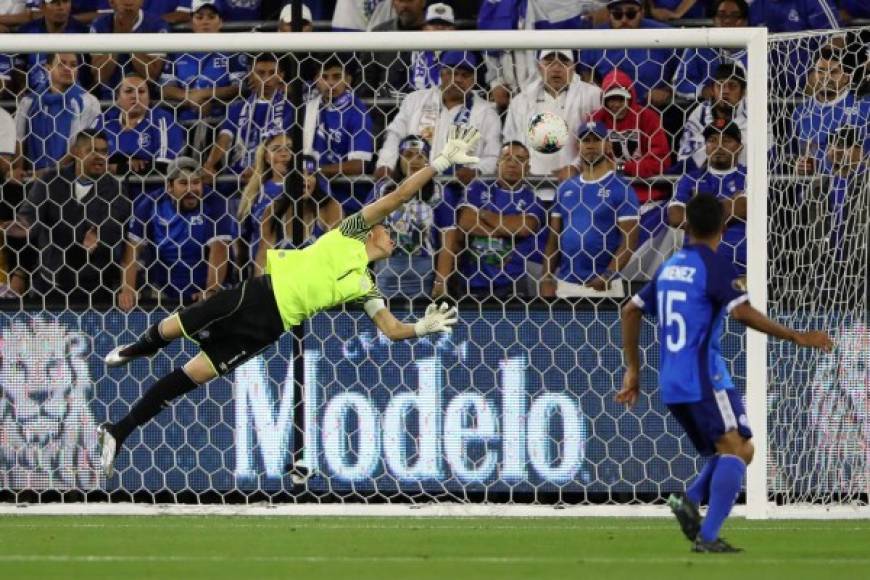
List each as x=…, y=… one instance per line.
x=548, y=132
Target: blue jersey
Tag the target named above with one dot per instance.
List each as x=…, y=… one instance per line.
x=696, y=11
x=425, y=71
x=344, y=133
x=648, y=67
x=793, y=15
x=698, y=65
x=157, y=137
x=814, y=122
x=590, y=213
x=417, y=225
x=247, y=123
x=691, y=294
x=722, y=185
x=233, y=10
x=499, y=260
x=204, y=70
x=105, y=24
x=154, y=7
x=78, y=6
x=34, y=63
x=180, y=239
x=250, y=226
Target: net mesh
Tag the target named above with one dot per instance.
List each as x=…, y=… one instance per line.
x=516, y=405
x=817, y=265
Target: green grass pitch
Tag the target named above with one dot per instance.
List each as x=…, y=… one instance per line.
x=217, y=547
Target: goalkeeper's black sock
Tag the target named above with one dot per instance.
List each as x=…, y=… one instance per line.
x=152, y=402
x=148, y=344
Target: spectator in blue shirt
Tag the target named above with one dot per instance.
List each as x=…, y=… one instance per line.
x=831, y=106
x=417, y=227
x=204, y=82
x=55, y=20
x=138, y=134
x=694, y=76
x=794, y=15
x=338, y=134
x=667, y=10
x=594, y=224
x=264, y=109
x=189, y=234
x=128, y=17
x=725, y=179
x=651, y=69
x=84, y=11
x=495, y=233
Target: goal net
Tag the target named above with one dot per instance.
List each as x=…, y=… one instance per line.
x=108, y=232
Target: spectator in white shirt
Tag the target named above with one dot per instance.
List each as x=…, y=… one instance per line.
x=430, y=113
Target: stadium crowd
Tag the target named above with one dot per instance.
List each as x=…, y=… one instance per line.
x=129, y=177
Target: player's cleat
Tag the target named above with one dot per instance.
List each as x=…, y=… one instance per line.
x=717, y=546
x=687, y=515
x=116, y=359
x=108, y=449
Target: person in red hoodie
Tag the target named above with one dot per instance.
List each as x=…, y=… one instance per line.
x=640, y=147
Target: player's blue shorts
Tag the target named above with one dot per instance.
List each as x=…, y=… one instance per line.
x=708, y=419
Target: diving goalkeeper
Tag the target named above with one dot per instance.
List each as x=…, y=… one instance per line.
x=235, y=324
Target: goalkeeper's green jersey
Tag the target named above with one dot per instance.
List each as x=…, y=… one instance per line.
x=330, y=272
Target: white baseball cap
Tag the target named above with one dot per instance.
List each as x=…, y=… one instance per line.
x=440, y=12
x=287, y=14
x=544, y=53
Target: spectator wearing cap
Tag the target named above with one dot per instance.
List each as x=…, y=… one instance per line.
x=430, y=113
x=203, y=83
x=593, y=223
x=651, y=69
x=389, y=71
x=48, y=121
x=189, y=234
x=75, y=216
x=727, y=103
x=425, y=69
x=639, y=145
x=285, y=19
x=831, y=105
x=847, y=182
x=139, y=135
x=264, y=109
x=418, y=227
x=668, y=10
x=509, y=71
x=495, y=234
x=724, y=178
x=694, y=77
x=338, y=135
x=560, y=91
x=127, y=16
x=55, y=19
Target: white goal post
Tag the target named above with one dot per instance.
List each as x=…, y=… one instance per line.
x=753, y=40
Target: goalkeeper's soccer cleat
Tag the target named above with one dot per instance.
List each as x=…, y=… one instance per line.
x=116, y=359
x=108, y=449
x=687, y=515
x=717, y=546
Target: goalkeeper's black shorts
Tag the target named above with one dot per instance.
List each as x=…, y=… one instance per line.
x=235, y=324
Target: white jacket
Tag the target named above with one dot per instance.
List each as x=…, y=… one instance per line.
x=423, y=113
x=575, y=104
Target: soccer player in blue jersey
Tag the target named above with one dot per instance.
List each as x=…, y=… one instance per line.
x=723, y=178
x=691, y=294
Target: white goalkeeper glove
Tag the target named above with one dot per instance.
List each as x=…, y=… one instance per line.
x=436, y=319
x=460, y=140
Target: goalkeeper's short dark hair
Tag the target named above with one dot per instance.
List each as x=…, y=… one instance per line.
x=704, y=214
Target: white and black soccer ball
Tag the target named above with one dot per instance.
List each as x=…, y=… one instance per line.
x=548, y=132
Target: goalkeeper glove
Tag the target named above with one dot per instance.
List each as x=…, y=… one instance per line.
x=436, y=319
x=460, y=140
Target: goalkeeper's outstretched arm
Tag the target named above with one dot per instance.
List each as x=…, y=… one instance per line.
x=461, y=141
x=436, y=319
